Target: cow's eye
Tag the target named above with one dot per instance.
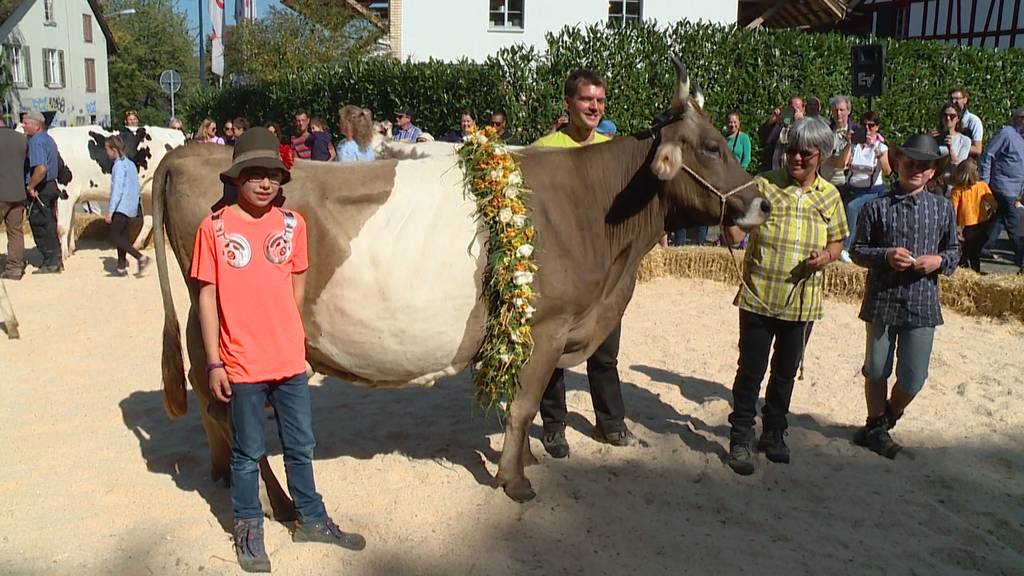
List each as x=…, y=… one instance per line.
x=712, y=149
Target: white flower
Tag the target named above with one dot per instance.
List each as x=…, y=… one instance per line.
x=478, y=365
x=480, y=138
x=495, y=175
x=505, y=358
x=518, y=302
x=518, y=220
x=515, y=179
x=505, y=215
x=511, y=192
x=467, y=137
x=500, y=151
x=522, y=278
x=525, y=251
x=514, y=335
x=528, y=312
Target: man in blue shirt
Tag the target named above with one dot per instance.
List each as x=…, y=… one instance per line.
x=41, y=187
x=405, y=132
x=1002, y=167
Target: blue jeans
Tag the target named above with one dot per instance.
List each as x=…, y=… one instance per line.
x=290, y=399
x=854, y=199
x=699, y=235
x=1005, y=217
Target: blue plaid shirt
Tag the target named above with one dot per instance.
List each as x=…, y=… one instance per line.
x=924, y=224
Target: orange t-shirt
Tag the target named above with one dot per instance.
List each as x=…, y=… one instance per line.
x=973, y=205
x=251, y=263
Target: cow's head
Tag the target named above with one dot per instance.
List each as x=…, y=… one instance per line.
x=694, y=161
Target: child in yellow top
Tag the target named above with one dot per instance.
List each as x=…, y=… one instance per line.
x=974, y=204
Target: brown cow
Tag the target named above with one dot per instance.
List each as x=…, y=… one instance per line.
x=393, y=295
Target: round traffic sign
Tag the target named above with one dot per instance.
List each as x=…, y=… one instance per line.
x=170, y=81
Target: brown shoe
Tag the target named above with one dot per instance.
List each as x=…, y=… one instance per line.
x=12, y=275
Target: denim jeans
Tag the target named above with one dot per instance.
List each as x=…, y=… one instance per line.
x=290, y=399
x=698, y=235
x=1005, y=217
x=854, y=200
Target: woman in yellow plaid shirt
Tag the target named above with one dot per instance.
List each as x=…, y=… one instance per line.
x=780, y=297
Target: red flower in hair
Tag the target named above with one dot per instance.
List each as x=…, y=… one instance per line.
x=286, y=155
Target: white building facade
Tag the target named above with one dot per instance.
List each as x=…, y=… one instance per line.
x=55, y=52
x=475, y=29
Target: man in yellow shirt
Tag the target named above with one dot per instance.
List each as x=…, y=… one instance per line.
x=585, y=101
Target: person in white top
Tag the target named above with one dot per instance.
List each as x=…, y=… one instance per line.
x=971, y=123
x=869, y=163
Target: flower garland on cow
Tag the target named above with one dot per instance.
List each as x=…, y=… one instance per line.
x=491, y=175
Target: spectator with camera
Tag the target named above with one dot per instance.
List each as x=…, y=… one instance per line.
x=775, y=134
x=834, y=167
x=869, y=162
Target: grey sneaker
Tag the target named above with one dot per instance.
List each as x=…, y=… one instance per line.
x=252, y=554
x=875, y=436
x=144, y=263
x=741, y=458
x=555, y=443
x=327, y=532
x=620, y=438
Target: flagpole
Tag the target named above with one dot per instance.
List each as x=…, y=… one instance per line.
x=202, y=48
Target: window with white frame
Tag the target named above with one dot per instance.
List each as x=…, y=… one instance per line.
x=53, y=65
x=622, y=11
x=48, y=12
x=506, y=14
x=16, y=56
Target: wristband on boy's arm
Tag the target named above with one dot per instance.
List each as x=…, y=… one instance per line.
x=213, y=366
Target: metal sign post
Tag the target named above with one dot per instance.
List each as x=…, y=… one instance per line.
x=170, y=82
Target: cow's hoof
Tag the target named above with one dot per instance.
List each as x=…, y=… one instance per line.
x=519, y=490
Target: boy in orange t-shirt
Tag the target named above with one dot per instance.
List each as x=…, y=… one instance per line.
x=249, y=261
x=974, y=204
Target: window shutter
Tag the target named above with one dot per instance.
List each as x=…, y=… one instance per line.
x=26, y=58
x=47, y=69
x=60, y=58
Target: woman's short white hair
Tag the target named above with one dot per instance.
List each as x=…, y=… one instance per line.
x=811, y=132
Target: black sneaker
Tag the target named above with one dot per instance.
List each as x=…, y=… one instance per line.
x=880, y=442
x=12, y=275
x=252, y=554
x=741, y=458
x=890, y=417
x=327, y=532
x=555, y=443
x=621, y=438
x=773, y=445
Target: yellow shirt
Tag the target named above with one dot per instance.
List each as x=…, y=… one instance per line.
x=973, y=205
x=560, y=139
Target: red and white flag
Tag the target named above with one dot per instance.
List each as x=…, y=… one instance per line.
x=216, y=37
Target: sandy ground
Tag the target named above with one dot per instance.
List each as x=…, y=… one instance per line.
x=96, y=480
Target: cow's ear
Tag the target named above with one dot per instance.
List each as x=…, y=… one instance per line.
x=681, y=100
x=668, y=160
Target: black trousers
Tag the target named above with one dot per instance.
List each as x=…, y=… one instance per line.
x=974, y=240
x=42, y=219
x=757, y=333
x=605, y=389
x=119, y=238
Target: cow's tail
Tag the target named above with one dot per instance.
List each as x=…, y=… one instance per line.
x=172, y=361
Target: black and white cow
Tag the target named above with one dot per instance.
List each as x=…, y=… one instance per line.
x=88, y=177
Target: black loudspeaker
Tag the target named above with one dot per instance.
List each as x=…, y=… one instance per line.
x=868, y=70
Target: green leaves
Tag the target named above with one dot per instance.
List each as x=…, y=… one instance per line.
x=751, y=71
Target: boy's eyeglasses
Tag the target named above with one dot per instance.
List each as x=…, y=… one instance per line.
x=274, y=176
x=803, y=154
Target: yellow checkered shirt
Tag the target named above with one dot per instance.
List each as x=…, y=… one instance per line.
x=773, y=266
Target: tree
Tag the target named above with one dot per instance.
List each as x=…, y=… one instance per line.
x=153, y=39
x=286, y=40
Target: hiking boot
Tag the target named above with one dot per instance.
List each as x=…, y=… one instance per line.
x=12, y=275
x=327, y=532
x=252, y=554
x=555, y=443
x=890, y=417
x=773, y=445
x=620, y=438
x=875, y=437
x=144, y=263
x=741, y=458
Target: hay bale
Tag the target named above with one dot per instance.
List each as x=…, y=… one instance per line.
x=86, y=226
x=996, y=296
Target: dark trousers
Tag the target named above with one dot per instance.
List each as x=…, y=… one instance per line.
x=757, y=333
x=1005, y=217
x=42, y=218
x=290, y=399
x=974, y=240
x=13, y=214
x=605, y=390
x=698, y=235
x=119, y=238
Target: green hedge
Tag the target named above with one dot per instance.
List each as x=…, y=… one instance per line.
x=751, y=71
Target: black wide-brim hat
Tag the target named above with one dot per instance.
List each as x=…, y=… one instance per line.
x=256, y=148
x=922, y=147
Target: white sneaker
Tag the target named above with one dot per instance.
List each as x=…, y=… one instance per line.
x=844, y=256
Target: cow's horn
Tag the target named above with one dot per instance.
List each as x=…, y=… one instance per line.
x=679, y=103
x=698, y=94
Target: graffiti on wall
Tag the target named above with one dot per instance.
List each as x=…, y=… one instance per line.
x=47, y=103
